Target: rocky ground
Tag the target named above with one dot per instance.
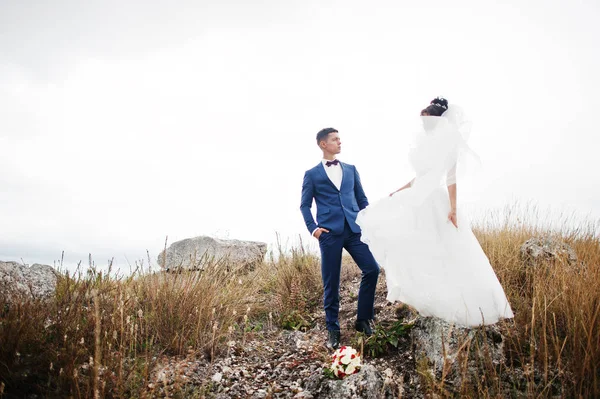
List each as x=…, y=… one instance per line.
x=276, y=363
x=266, y=361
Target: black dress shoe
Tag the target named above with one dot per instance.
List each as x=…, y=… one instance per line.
x=333, y=340
x=364, y=326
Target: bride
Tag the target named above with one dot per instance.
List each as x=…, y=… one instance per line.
x=431, y=258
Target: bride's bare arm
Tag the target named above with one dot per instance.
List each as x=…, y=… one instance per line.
x=452, y=213
x=452, y=194
x=407, y=185
x=451, y=182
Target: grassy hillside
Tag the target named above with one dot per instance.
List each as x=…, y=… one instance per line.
x=101, y=336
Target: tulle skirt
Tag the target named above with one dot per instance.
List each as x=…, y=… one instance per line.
x=430, y=264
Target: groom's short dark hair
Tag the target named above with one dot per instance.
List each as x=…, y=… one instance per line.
x=323, y=133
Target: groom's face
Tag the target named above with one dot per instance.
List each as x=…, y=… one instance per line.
x=332, y=143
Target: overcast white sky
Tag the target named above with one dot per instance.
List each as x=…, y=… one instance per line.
x=122, y=122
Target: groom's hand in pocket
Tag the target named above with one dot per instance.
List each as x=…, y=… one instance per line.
x=319, y=231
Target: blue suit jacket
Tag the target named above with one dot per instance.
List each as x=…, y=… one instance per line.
x=333, y=205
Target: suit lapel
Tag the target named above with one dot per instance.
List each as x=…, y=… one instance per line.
x=345, y=171
x=321, y=169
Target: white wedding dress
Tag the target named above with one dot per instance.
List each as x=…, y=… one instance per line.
x=429, y=264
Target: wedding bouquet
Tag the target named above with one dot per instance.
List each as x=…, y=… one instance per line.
x=346, y=361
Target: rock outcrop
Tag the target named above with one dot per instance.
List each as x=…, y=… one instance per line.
x=367, y=383
x=195, y=253
x=544, y=249
x=446, y=349
x=26, y=282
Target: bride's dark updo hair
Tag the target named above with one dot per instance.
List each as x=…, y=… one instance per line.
x=437, y=107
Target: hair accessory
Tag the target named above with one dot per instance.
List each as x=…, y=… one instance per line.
x=440, y=102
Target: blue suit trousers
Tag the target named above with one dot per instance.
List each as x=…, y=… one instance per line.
x=331, y=246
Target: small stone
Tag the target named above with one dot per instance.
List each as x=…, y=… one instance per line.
x=304, y=395
x=227, y=370
x=217, y=377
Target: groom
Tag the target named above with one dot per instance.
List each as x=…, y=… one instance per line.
x=338, y=193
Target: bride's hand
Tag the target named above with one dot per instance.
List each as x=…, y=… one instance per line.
x=452, y=217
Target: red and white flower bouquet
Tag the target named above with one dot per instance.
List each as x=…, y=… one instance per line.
x=346, y=361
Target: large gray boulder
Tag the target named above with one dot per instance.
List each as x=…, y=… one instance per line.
x=18, y=281
x=444, y=349
x=544, y=249
x=195, y=253
x=367, y=383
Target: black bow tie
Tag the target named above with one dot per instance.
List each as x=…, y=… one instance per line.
x=334, y=162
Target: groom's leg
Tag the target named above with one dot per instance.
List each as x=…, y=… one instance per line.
x=370, y=272
x=331, y=263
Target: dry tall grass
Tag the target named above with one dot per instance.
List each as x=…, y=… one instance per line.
x=552, y=346
x=555, y=337
x=100, y=336
x=291, y=287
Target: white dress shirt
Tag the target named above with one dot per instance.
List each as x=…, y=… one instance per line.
x=335, y=174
